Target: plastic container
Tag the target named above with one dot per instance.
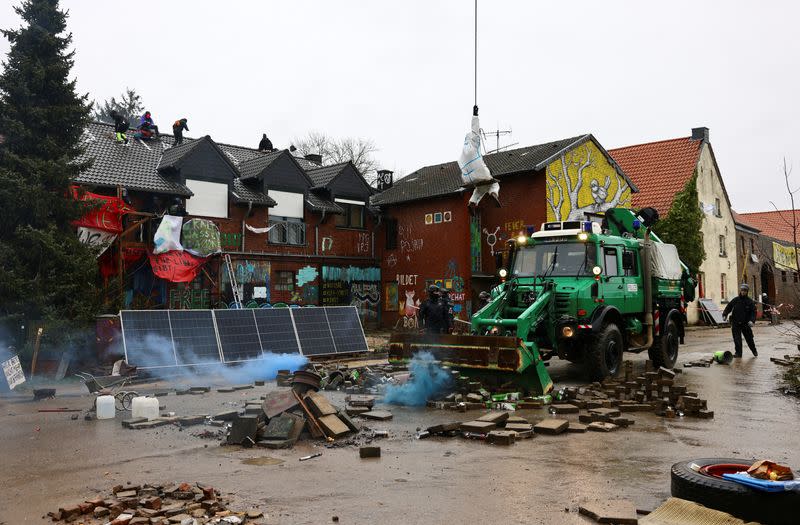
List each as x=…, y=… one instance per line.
x=144, y=407
x=105, y=407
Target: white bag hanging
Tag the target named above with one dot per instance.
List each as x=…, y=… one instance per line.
x=168, y=235
x=473, y=167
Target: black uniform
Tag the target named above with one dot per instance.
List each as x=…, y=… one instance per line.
x=177, y=130
x=433, y=315
x=265, y=144
x=742, y=310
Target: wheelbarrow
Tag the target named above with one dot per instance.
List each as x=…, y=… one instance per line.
x=111, y=386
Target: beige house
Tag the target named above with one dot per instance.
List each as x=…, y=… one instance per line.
x=662, y=169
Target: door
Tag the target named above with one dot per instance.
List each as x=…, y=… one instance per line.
x=634, y=295
x=613, y=286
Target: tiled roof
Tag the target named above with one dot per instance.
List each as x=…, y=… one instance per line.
x=775, y=224
x=243, y=194
x=174, y=156
x=132, y=166
x=659, y=169
x=306, y=164
x=743, y=222
x=318, y=203
x=445, y=179
x=252, y=167
x=321, y=176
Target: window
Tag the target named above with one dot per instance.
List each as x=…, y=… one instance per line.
x=722, y=288
x=633, y=271
x=284, y=281
x=353, y=216
x=289, y=204
x=717, y=210
x=610, y=262
x=566, y=259
x=783, y=275
x=391, y=234
x=722, y=251
x=286, y=230
x=210, y=199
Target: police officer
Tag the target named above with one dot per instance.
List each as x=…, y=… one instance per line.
x=742, y=311
x=483, y=299
x=432, y=312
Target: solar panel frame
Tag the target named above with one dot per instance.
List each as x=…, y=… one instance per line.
x=313, y=331
x=190, y=349
x=238, y=335
x=346, y=338
x=130, y=346
x=282, y=340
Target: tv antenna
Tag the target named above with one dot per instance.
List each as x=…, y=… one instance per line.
x=496, y=134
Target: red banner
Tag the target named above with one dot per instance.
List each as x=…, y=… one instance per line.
x=176, y=266
x=107, y=216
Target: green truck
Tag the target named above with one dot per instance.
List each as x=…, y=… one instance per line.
x=580, y=290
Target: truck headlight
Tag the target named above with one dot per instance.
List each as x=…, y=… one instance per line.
x=567, y=331
x=503, y=273
x=583, y=236
x=597, y=270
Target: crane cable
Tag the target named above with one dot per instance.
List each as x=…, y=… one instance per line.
x=476, y=53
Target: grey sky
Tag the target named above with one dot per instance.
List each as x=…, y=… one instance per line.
x=400, y=73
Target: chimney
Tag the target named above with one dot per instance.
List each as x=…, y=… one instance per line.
x=315, y=158
x=700, y=134
x=385, y=179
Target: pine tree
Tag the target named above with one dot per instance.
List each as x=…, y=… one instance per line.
x=129, y=106
x=682, y=225
x=47, y=273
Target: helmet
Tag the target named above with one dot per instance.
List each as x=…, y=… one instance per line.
x=744, y=287
x=433, y=289
x=484, y=295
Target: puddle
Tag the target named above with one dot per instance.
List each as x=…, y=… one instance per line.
x=262, y=461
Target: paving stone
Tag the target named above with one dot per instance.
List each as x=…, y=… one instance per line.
x=179, y=518
x=600, y=426
x=132, y=421
x=565, y=408
x=527, y=405
x=519, y=427
x=319, y=404
x=551, y=426
x=259, y=382
x=635, y=407
x=360, y=401
x=369, y=452
x=501, y=437
x=333, y=426
x=345, y=417
x=478, y=426
x=494, y=417
x=605, y=412
x=226, y=390
x=516, y=419
x=576, y=428
x=277, y=402
x=380, y=415
x=241, y=387
x=229, y=415
x=243, y=427
x=355, y=411
x=524, y=434
x=279, y=428
x=610, y=511
x=443, y=428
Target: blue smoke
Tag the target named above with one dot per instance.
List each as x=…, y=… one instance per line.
x=427, y=380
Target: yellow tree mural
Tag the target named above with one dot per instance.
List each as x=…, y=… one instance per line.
x=582, y=181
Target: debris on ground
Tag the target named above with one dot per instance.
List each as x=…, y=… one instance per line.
x=168, y=504
x=610, y=511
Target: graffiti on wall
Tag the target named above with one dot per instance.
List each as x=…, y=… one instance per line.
x=230, y=241
x=438, y=217
x=492, y=238
x=475, y=243
x=391, y=300
x=582, y=181
x=408, y=242
x=363, y=244
x=351, y=285
x=249, y=274
x=409, y=308
x=327, y=244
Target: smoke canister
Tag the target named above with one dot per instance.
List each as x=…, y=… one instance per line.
x=105, y=407
x=144, y=407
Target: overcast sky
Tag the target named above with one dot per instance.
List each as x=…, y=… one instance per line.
x=401, y=74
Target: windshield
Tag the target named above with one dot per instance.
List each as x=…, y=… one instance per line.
x=564, y=259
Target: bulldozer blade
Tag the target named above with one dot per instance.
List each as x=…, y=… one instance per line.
x=505, y=359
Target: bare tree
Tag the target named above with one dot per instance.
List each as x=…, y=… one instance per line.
x=580, y=159
x=337, y=150
x=793, y=222
x=129, y=106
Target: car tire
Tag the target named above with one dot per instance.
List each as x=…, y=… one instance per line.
x=665, y=351
x=738, y=500
x=604, y=358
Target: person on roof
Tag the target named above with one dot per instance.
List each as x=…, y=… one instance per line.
x=147, y=127
x=265, y=144
x=120, y=127
x=177, y=130
x=742, y=311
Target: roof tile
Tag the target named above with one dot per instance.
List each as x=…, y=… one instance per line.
x=776, y=224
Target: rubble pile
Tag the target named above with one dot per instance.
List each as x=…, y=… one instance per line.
x=183, y=504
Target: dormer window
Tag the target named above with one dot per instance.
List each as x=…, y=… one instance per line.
x=353, y=216
x=210, y=199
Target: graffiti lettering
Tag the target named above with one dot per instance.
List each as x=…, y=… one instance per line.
x=327, y=244
x=363, y=243
x=406, y=279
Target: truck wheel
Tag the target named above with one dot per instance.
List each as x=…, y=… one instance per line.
x=604, y=357
x=700, y=480
x=665, y=351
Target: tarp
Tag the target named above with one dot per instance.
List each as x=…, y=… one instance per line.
x=96, y=238
x=168, y=235
x=762, y=484
x=175, y=266
x=107, y=216
x=201, y=237
x=665, y=261
x=473, y=168
x=12, y=369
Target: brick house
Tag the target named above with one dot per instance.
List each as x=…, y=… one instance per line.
x=767, y=257
x=321, y=240
x=663, y=168
x=432, y=237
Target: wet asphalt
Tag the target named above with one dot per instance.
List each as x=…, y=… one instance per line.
x=49, y=460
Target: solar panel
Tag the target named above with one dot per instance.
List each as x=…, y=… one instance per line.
x=194, y=337
x=238, y=334
x=147, y=338
x=346, y=329
x=277, y=330
x=313, y=331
